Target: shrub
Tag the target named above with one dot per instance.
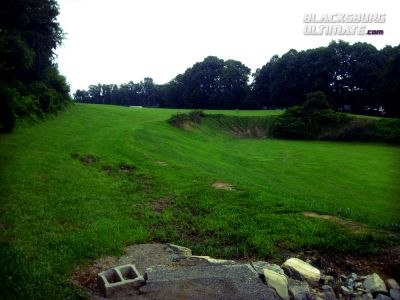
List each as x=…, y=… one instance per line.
x=309, y=120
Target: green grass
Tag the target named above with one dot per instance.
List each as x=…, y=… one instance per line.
x=59, y=213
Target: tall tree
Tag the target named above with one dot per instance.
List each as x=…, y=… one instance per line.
x=29, y=33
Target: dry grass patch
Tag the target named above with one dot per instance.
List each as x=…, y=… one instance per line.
x=355, y=227
x=223, y=186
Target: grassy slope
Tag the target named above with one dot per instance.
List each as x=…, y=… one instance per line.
x=58, y=213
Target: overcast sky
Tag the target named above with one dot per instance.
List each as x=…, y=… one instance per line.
x=116, y=41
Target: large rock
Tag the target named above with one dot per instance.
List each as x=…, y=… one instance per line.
x=300, y=270
x=325, y=296
x=374, y=284
x=382, y=297
x=395, y=294
x=299, y=290
x=260, y=265
x=392, y=284
x=278, y=282
x=346, y=290
x=367, y=296
x=205, y=282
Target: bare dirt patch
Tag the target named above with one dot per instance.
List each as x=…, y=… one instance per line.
x=223, y=186
x=124, y=168
x=353, y=226
x=187, y=125
x=254, y=132
x=161, y=204
x=386, y=263
x=87, y=159
x=107, y=169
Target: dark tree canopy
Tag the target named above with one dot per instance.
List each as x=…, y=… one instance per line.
x=30, y=83
x=356, y=78
x=212, y=83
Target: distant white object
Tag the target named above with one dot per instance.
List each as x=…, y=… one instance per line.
x=136, y=106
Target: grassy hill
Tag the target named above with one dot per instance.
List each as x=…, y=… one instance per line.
x=98, y=178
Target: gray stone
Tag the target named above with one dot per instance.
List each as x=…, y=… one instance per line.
x=298, y=269
x=345, y=290
x=343, y=279
x=275, y=268
x=327, y=279
x=260, y=265
x=367, y=296
x=205, y=282
x=350, y=282
x=382, y=297
x=395, y=294
x=326, y=296
x=299, y=290
x=392, y=284
x=374, y=284
x=278, y=282
x=327, y=288
x=357, y=293
x=358, y=285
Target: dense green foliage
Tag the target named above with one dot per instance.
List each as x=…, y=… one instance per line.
x=130, y=177
x=356, y=78
x=212, y=83
x=316, y=120
x=30, y=84
x=309, y=120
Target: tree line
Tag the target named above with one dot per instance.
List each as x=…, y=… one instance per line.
x=30, y=83
x=356, y=78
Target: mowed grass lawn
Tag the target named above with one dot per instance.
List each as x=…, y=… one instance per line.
x=98, y=178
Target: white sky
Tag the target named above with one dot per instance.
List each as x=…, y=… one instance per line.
x=115, y=41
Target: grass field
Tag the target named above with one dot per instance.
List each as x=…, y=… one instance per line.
x=97, y=178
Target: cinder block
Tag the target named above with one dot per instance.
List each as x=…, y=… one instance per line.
x=118, y=278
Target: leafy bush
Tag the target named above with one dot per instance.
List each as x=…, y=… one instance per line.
x=31, y=84
x=309, y=120
x=315, y=120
